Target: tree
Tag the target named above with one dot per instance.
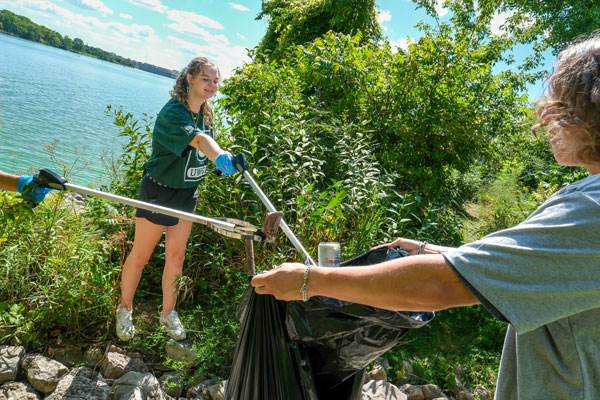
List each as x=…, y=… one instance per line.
x=67, y=43
x=292, y=22
x=545, y=23
x=78, y=44
x=338, y=110
x=558, y=22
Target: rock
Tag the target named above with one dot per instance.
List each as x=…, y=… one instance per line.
x=42, y=372
x=376, y=374
x=181, y=352
x=464, y=395
x=216, y=391
x=130, y=393
x=172, y=383
x=482, y=393
x=413, y=392
x=68, y=355
x=200, y=391
x=115, y=365
x=92, y=357
x=81, y=383
x=127, y=385
x=197, y=378
x=381, y=390
x=405, y=374
x=18, y=391
x=10, y=357
x=431, y=391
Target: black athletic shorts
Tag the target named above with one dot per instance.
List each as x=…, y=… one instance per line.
x=161, y=195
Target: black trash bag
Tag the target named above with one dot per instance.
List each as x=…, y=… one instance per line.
x=314, y=350
x=264, y=366
x=339, y=338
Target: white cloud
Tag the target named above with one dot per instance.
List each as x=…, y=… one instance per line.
x=142, y=42
x=125, y=16
x=241, y=36
x=154, y=5
x=227, y=58
x=384, y=16
x=401, y=44
x=440, y=9
x=239, y=7
x=105, y=32
x=134, y=32
x=190, y=17
x=94, y=5
x=192, y=23
x=497, y=22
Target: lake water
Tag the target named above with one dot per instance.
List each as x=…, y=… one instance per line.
x=49, y=96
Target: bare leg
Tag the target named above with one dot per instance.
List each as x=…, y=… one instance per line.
x=175, y=244
x=147, y=236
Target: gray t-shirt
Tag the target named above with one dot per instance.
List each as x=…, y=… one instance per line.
x=543, y=277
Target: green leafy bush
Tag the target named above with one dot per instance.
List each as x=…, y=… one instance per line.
x=57, y=279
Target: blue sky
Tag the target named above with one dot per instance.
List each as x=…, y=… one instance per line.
x=169, y=33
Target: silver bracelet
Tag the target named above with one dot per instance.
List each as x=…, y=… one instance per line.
x=304, y=285
x=421, y=247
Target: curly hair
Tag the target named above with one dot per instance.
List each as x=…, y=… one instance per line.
x=573, y=99
x=181, y=87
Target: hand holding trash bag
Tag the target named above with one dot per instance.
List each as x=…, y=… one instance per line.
x=413, y=247
x=283, y=282
x=426, y=282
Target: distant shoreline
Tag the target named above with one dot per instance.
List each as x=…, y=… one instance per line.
x=22, y=27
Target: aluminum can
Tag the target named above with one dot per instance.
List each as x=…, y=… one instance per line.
x=329, y=254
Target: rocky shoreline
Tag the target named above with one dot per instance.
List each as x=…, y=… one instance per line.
x=96, y=373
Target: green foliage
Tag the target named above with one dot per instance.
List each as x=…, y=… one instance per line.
x=557, y=22
x=516, y=180
x=541, y=23
x=136, y=151
x=42, y=254
x=460, y=346
x=354, y=142
x=295, y=22
x=399, y=130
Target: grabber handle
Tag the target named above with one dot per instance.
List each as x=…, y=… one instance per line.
x=239, y=162
x=49, y=179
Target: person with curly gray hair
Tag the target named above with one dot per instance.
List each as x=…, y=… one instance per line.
x=542, y=276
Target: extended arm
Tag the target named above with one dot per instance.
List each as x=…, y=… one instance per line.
x=419, y=283
x=414, y=247
x=206, y=145
x=222, y=159
x=23, y=184
x=8, y=181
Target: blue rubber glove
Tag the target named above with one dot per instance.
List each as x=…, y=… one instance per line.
x=224, y=162
x=27, y=187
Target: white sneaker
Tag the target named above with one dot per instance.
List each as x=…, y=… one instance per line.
x=125, y=329
x=172, y=325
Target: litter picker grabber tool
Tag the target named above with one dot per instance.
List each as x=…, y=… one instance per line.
x=229, y=227
x=239, y=161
